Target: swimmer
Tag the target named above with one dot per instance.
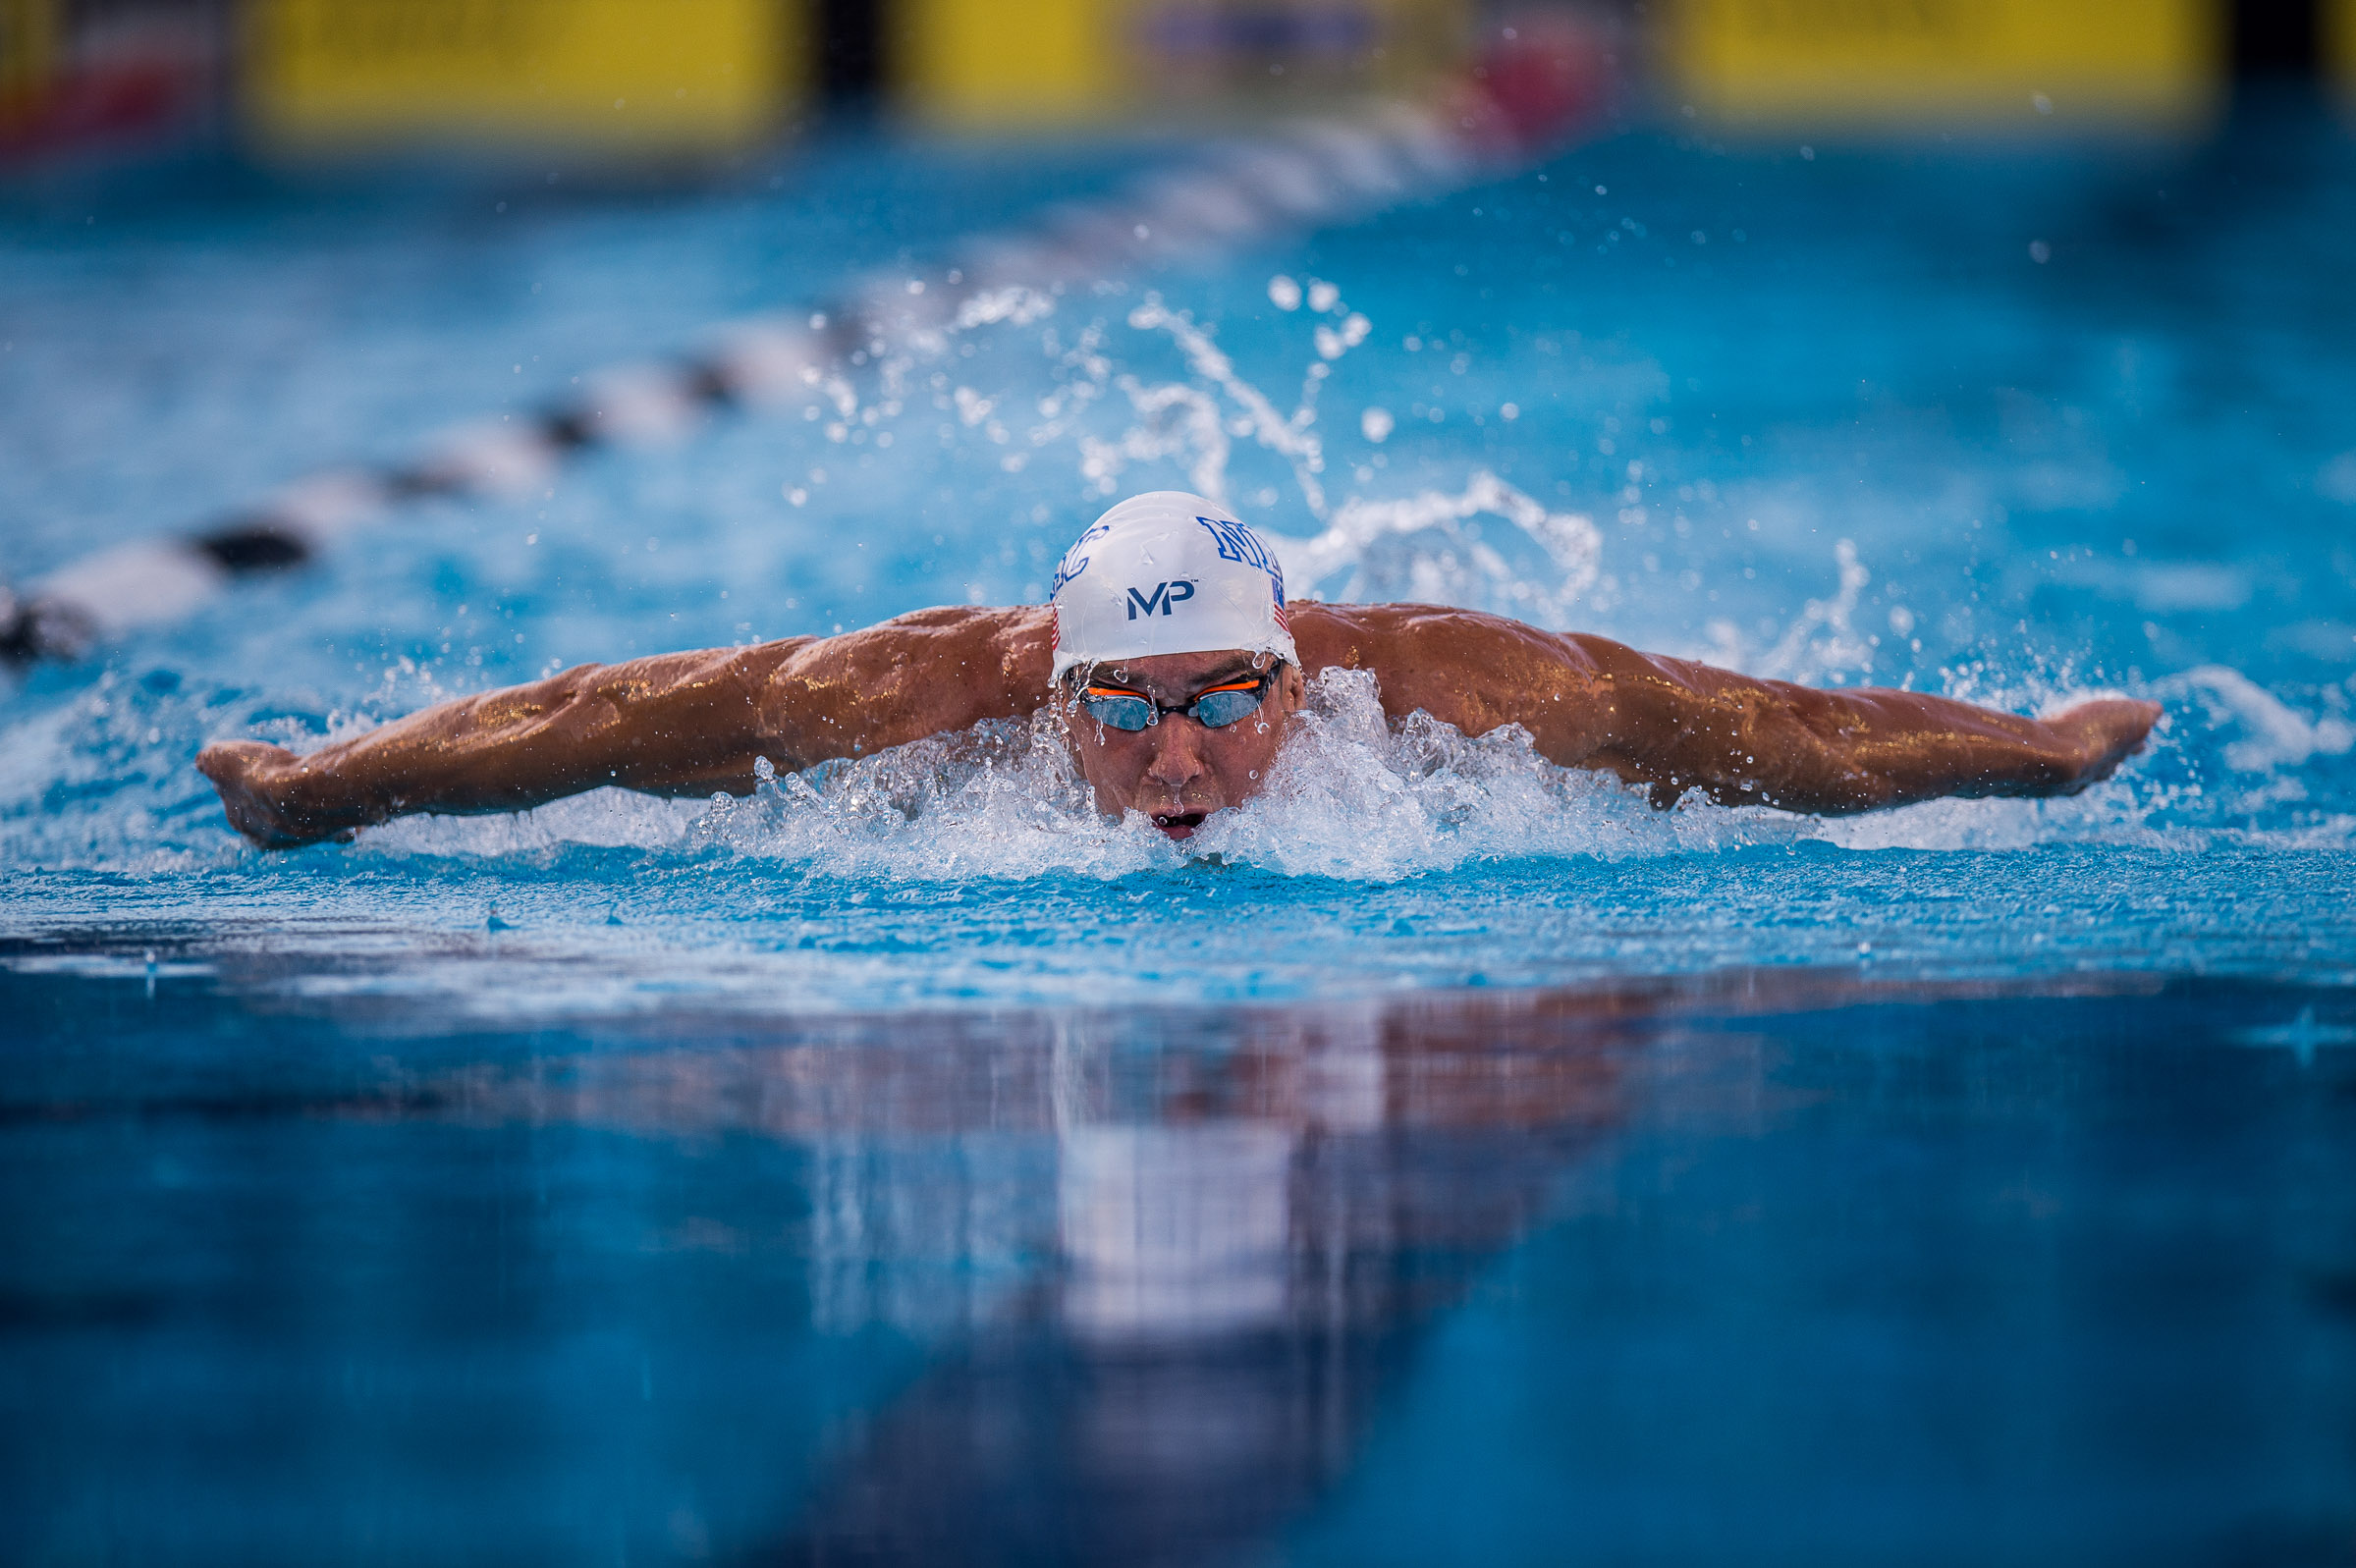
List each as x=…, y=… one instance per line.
x=1175, y=665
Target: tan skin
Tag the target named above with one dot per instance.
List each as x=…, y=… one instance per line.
x=690, y=724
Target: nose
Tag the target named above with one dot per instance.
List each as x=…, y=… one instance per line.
x=1178, y=755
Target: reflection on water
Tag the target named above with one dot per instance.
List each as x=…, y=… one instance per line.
x=1170, y=1261
x=298, y=1280
x=1162, y=1331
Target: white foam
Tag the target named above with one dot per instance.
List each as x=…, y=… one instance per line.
x=1000, y=800
x=1352, y=797
x=605, y=819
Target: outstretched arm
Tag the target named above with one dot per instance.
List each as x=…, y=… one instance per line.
x=676, y=723
x=1676, y=725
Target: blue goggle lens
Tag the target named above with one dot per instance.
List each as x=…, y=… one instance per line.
x=1219, y=708
x=1119, y=713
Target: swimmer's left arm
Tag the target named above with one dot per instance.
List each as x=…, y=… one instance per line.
x=1676, y=724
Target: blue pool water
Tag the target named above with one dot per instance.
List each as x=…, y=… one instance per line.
x=1468, y=1163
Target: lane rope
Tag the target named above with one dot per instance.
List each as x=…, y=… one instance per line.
x=1517, y=103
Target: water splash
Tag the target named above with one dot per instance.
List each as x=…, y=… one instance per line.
x=1823, y=639
x=1425, y=546
x=1292, y=435
x=103, y=781
x=1419, y=548
x=1001, y=800
x=100, y=778
x=2271, y=734
x=1353, y=797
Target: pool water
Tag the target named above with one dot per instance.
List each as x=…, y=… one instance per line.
x=1776, y=1264
x=1445, y=1157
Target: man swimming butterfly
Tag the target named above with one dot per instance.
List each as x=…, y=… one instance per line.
x=1169, y=653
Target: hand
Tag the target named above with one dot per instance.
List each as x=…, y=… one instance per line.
x=256, y=784
x=2105, y=732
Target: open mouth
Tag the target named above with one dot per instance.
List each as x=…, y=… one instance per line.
x=1180, y=823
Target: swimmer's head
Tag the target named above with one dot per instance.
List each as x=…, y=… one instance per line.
x=1169, y=615
x=1167, y=573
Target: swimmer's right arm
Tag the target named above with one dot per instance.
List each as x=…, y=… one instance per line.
x=676, y=723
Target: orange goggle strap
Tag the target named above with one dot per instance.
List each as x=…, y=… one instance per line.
x=1254, y=683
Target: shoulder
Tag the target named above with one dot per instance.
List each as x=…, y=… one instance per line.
x=1402, y=639
x=1474, y=671
x=1014, y=642
x=970, y=619
x=954, y=632
x=1002, y=651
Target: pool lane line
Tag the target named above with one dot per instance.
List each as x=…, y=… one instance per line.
x=1297, y=176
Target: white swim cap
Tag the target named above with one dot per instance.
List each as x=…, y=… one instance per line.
x=1167, y=573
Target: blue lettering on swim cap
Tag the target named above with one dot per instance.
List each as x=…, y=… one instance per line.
x=1074, y=563
x=1165, y=597
x=1237, y=543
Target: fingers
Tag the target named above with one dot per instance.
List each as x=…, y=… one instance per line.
x=2125, y=722
x=240, y=773
x=226, y=760
x=2107, y=732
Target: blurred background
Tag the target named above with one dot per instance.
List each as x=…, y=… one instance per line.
x=700, y=80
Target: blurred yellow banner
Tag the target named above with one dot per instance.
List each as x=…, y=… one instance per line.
x=1892, y=61
x=971, y=60
x=998, y=63
x=650, y=76
x=27, y=56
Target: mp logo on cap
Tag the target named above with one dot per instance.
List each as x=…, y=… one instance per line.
x=1165, y=597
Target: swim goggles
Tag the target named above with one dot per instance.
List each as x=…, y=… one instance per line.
x=1214, y=707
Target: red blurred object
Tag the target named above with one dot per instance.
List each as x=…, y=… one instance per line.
x=131, y=75
x=132, y=102
x=1542, y=78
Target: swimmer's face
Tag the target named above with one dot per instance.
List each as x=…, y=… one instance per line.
x=1178, y=772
